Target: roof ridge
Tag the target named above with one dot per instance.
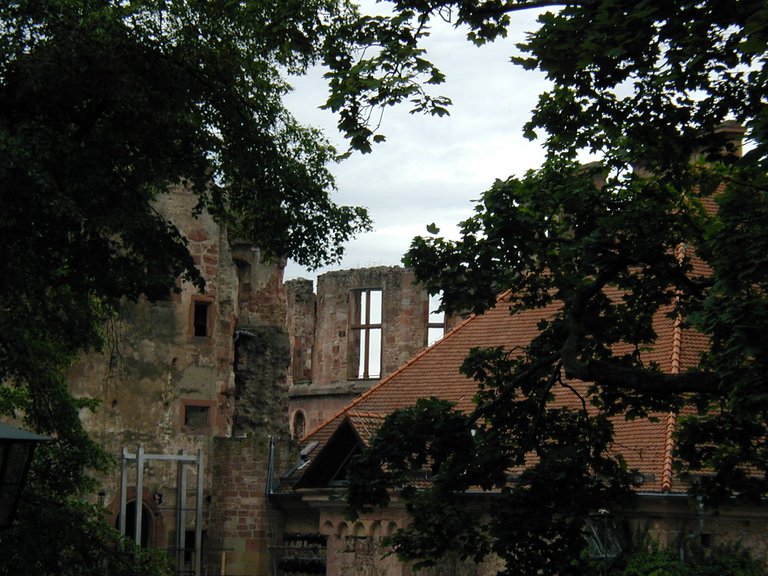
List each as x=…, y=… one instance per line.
x=674, y=368
x=402, y=367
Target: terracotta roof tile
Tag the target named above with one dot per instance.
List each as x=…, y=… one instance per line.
x=645, y=444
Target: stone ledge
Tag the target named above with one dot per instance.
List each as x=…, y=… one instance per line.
x=335, y=388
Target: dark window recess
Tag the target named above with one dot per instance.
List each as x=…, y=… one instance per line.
x=189, y=546
x=299, y=424
x=130, y=523
x=195, y=416
x=243, y=272
x=201, y=318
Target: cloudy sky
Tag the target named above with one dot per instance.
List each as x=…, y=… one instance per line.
x=431, y=169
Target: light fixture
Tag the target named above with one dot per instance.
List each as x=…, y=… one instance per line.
x=16, y=450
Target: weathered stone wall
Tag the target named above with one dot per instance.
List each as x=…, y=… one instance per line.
x=154, y=366
x=168, y=389
x=321, y=402
x=670, y=520
x=676, y=521
x=319, y=327
x=357, y=547
x=242, y=525
x=300, y=322
x=404, y=321
x=261, y=293
x=261, y=374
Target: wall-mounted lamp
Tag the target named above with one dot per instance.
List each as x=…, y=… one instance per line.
x=157, y=497
x=16, y=450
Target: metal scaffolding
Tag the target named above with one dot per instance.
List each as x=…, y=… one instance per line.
x=182, y=460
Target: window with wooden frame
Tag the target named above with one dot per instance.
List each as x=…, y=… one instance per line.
x=364, y=357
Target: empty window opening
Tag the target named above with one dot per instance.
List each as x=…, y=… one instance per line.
x=189, y=546
x=243, y=273
x=196, y=417
x=201, y=320
x=435, y=319
x=365, y=334
x=299, y=424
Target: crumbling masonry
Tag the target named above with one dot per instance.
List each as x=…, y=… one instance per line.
x=225, y=374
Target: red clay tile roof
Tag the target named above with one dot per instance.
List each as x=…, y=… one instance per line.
x=645, y=444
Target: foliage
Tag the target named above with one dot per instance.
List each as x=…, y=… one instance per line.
x=671, y=224
x=728, y=560
x=71, y=538
x=104, y=107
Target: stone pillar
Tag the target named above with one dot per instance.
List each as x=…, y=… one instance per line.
x=300, y=322
x=242, y=525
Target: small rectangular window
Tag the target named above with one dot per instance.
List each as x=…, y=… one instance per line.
x=202, y=316
x=200, y=320
x=365, y=334
x=196, y=416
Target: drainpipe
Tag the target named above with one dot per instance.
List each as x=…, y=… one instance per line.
x=270, y=467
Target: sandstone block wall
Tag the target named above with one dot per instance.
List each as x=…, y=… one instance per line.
x=167, y=381
x=405, y=307
x=300, y=323
x=323, y=346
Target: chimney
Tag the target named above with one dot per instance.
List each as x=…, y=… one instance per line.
x=723, y=144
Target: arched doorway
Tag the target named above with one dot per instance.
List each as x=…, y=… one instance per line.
x=147, y=524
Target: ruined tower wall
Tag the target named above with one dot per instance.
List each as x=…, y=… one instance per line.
x=323, y=326
x=167, y=381
x=300, y=323
x=242, y=525
x=403, y=320
x=155, y=366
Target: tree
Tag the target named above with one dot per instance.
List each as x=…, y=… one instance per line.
x=647, y=86
x=103, y=106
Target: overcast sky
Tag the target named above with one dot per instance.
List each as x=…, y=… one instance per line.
x=431, y=169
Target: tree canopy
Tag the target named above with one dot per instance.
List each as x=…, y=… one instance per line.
x=104, y=105
x=673, y=220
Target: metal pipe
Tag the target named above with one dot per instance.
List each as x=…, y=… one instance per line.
x=139, y=492
x=123, y=490
x=199, y=516
x=270, y=466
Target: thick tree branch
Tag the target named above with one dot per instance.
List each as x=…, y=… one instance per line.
x=510, y=7
x=641, y=380
x=606, y=373
x=506, y=392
